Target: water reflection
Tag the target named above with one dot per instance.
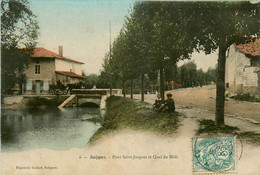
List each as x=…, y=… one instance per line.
x=52, y=128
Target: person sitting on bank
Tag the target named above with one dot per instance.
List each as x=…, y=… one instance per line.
x=169, y=105
x=158, y=103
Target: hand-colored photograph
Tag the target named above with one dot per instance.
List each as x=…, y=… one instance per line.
x=127, y=87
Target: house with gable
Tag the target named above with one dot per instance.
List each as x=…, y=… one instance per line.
x=243, y=69
x=46, y=68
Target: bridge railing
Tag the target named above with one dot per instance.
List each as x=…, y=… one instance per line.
x=88, y=95
x=89, y=91
x=96, y=91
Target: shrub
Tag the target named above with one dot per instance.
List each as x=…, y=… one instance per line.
x=246, y=97
x=36, y=102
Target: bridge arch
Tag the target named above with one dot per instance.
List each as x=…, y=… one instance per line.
x=89, y=104
x=86, y=97
x=88, y=101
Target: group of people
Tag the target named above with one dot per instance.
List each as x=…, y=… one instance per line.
x=167, y=105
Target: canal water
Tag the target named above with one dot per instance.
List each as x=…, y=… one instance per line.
x=57, y=129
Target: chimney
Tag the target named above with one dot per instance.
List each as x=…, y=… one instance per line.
x=61, y=51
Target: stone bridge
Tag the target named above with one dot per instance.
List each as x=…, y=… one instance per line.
x=88, y=98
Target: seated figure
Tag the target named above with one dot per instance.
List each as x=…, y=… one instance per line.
x=158, y=103
x=169, y=105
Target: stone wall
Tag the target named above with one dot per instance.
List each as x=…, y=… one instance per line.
x=241, y=76
x=10, y=100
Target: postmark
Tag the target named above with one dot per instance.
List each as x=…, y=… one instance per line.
x=214, y=154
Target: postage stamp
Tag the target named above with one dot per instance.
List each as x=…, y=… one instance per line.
x=214, y=155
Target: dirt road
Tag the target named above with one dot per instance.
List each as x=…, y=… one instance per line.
x=205, y=98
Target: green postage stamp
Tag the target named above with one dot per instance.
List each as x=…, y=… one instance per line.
x=214, y=155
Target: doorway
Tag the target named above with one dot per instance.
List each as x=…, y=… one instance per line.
x=38, y=87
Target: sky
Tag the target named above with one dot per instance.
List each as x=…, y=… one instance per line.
x=202, y=61
x=82, y=28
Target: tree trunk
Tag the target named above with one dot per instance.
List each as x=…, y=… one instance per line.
x=124, y=88
x=142, y=87
x=20, y=89
x=220, y=93
x=131, y=88
x=162, y=83
x=111, y=91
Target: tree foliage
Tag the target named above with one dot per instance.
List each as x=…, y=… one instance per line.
x=91, y=81
x=19, y=29
x=190, y=76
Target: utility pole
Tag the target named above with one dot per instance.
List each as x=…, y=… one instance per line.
x=110, y=56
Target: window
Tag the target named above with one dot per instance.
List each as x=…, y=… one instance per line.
x=37, y=69
x=227, y=85
x=29, y=85
x=45, y=85
x=254, y=62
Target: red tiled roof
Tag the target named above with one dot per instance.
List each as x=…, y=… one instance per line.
x=42, y=52
x=70, y=74
x=252, y=48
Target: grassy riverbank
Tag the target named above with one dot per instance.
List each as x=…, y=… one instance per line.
x=124, y=113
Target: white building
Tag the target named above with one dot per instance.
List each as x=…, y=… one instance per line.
x=243, y=69
x=46, y=68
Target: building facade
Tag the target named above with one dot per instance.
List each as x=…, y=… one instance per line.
x=243, y=69
x=46, y=68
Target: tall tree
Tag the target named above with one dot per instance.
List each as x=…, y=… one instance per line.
x=107, y=74
x=19, y=29
x=138, y=27
x=91, y=81
x=200, y=77
x=188, y=74
x=121, y=62
x=169, y=40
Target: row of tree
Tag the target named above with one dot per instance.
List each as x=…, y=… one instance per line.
x=186, y=75
x=190, y=76
x=157, y=35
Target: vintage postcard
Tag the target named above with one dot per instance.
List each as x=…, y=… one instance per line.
x=126, y=87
